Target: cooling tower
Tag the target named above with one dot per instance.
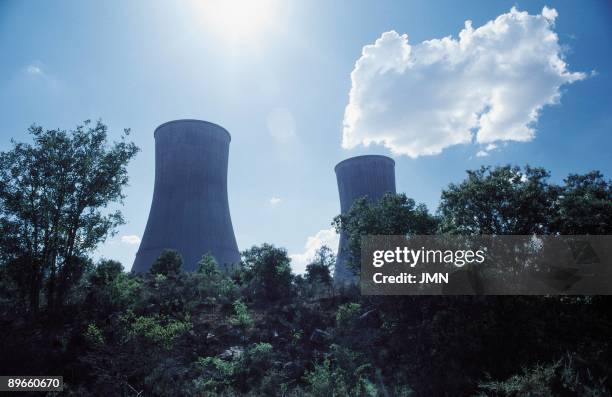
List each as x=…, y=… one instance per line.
x=190, y=210
x=370, y=176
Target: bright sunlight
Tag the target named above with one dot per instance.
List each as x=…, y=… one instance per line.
x=239, y=19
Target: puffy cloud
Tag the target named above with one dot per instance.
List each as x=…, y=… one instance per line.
x=275, y=201
x=482, y=153
x=131, y=239
x=323, y=237
x=487, y=85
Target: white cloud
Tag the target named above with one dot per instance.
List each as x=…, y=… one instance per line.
x=323, y=237
x=131, y=239
x=34, y=70
x=275, y=201
x=491, y=146
x=487, y=85
x=549, y=13
x=482, y=153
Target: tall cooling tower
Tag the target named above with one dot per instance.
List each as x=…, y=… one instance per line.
x=371, y=176
x=190, y=210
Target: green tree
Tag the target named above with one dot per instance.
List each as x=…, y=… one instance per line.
x=584, y=205
x=168, y=263
x=393, y=214
x=207, y=266
x=500, y=200
x=53, y=193
x=108, y=289
x=267, y=271
x=106, y=272
x=511, y=200
x=320, y=268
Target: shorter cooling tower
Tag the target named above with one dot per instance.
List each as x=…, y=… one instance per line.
x=371, y=176
x=190, y=210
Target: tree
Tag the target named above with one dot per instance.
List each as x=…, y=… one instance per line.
x=501, y=200
x=208, y=267
x=213, y=284
x=511, y=200
x=108, y=289
x=267, y=271
x=53, y=193
x=168, y=263
x=106, y=272
x=585, y=205
x=319, y=270
x=393, y=214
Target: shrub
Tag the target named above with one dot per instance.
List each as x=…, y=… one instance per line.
x=217, y=374
x=208, y=266
x=93, y=335
x=347, y=314
x=567, y=376
x=241, y=318
x=156, y=330
x=169, y=262
x=266, y=270
x=343, y=372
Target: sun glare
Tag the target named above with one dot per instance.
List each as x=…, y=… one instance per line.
x=239, y=19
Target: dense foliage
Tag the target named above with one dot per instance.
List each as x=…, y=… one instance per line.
x=51, y=196
x=259, y=329
x=508, y=200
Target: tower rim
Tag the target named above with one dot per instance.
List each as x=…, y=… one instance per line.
x=192, y=120
x=363, y=157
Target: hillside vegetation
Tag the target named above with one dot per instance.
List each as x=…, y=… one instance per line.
x=257, y=328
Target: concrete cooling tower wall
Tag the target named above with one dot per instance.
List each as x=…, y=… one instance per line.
x=370, y=176
x=190, y=209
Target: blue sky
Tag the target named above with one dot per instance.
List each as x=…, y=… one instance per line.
x=278, y=79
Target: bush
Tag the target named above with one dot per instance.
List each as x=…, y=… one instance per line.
x=93, y=335
x=156, y=330
x=567, y=376
x=243, y=371
x=347, y=314
x=241, y=318
x=169, y=262
x=217, y=374
x=343, y=372
x=267, y=272
x=208, y=266
x=319, y=270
